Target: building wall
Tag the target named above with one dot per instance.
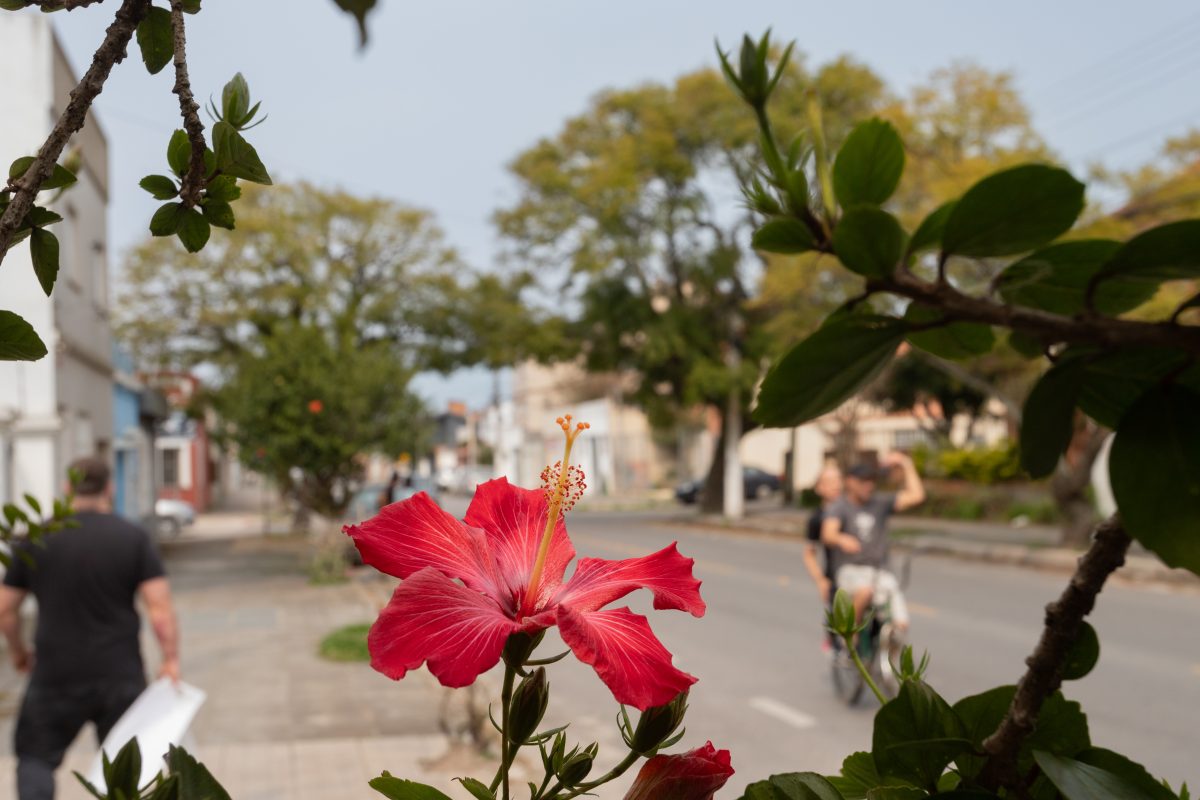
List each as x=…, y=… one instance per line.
x=60, y=407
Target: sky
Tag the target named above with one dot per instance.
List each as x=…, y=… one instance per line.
x=448, y=92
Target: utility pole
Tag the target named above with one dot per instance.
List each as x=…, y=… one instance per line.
x=734, y=505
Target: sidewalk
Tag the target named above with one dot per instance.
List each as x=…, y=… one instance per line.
x=1030, y=546
x=280, y=723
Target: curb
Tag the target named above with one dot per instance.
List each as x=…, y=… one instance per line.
x=1137, y=569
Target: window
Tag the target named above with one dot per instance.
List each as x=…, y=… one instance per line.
x=170, y=467
x=906, y=439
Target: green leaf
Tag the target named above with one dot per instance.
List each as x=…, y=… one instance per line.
x=929, y=232
x=60, y=176
x=235, y=156
x=43, y=248
x=191, y=6
x=398, y=789
x=13, y=5
x=955, y=340
x=1154, y=467
x=167, y=219
x=125, y=772
x=33, y=503
x=1083, y=655
x=1079, y=781
x=18, y=340
x=39, y=217
x=1061, y=727
x=195, y=781
x=223, y=188
x=869, y=165
x=826, y=368
x=160, y=187
x=869, y=241
x=1026, y=345
x=858, y=776
x=1168, y=252
x=917, y=734
x=478, y=789
x=1013, y=211
x=897, y=793
x=1056, y=278
x=1113, y=382
x=179, y=152
x=194, y=230
x=218, y=213
x=782, y=235
x=1047, y=422
x=156, y=39
x=1132, y=773
x=793, y=786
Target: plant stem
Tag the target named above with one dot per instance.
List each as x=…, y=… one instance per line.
x=584, y=788
x=1064, y=618
x=862, y=670
x=507, y=752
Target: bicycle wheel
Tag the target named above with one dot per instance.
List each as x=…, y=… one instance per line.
x=848, y=684
x=890, y=645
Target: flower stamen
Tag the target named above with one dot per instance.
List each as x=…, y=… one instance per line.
x=564, y=485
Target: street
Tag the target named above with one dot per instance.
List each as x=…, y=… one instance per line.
x=282, y=724
x=764, y=691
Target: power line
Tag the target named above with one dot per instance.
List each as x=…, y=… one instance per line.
x=1113, y=63
x=1145, y=133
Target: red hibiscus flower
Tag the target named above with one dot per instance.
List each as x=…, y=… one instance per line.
x=694, y=775
x=468, y=585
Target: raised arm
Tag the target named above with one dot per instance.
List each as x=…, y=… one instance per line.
x=156, y=596
x=912, y=493
x=10, y=624
x=832, y=536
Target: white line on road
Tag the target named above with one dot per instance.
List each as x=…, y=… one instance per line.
x=783, y=713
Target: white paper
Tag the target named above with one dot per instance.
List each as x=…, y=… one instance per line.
x=160, y=717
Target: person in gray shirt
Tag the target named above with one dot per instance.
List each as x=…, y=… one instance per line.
x=855, y=529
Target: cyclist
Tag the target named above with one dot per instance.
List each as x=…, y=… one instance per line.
x=820, y=567
x=855, y=529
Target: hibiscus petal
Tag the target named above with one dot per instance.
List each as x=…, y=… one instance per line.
x=412, y=534
x=625, y=654
x=597, y=582
x=459, y=631
x=694, y=775
x=514, y=520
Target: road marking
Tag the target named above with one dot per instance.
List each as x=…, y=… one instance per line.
x=922, y=610
x=783, y=713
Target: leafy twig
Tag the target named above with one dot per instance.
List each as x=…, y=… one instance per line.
x=111, y=52
x=1064, y=620
x=193, y=180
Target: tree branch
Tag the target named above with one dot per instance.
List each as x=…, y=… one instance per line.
x=111, y=51
x=62, y=5
x=1064, y=620
x=193, y=182
x=1086, y=329
x=966, y=378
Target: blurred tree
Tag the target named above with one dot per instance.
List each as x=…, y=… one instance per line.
x=626, y=213
x=302, y=410
x=335, y=299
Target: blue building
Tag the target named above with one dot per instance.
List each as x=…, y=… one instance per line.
x=137, y=410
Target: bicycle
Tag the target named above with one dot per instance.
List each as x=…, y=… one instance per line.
x=879, y=646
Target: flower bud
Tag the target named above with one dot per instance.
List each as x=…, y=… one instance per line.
x=840, y=619
x=528, y=705
x=576, y=765
x=520, y=647
x=657, y=724
x=695, y=775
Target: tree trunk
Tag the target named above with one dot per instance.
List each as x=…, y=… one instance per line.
x=712, y=496
x=734, y=500
x=1070, y=483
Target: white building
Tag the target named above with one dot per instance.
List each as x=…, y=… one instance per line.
x=61, y=407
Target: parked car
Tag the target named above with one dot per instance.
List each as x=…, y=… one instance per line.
x=756, y=483
x=172, y=516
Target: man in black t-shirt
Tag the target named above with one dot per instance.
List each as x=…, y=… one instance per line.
x=86, y=664
x=829, y=488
